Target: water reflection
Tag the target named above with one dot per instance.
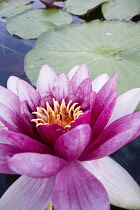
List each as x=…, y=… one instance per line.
x=12, y=53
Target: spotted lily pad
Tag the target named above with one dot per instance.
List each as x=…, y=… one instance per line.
x=121, y=9
x=80, y=7
x=13, y=8
x=106, y=46
x=33, y=23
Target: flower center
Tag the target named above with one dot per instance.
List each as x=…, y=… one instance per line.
x=61, y=114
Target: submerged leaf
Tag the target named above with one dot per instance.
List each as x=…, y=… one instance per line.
x=121, y=9
x=104, y=46
x=33, y=23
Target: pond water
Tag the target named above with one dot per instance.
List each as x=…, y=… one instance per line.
x=12, y=53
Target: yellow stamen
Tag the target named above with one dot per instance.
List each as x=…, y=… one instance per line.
x=61, y=114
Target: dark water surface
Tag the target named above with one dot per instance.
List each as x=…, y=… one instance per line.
x=12, y=53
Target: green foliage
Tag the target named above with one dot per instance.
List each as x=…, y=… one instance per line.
x=106, y=46
x=13, y=8
x=33, y=23
x=121, y=9
x=80, y=7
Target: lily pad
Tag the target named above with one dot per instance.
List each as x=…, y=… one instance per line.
x=121, y=9
x=13, y=8
x=80, y=7
x=33, y=23
x=106, y=46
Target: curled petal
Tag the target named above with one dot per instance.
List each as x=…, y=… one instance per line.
x=27, y=92
x=80, y=75
x=5, y=151
x=126, y=104
x=36, y=165
x=83, y=119
x=122, y=189
x=88, y=101
x=72, y=71
x=104, y=116
x=61, y=87
x=71, y=144
x=113, y=137
x=83, y=89
x=28, y=193
x=99, y=81
x=76, y=188
x=24, y=142
x=10, y=100
x=10, y=119
x=12, y=84
x=50, y=133
x=3, y=140
x=45, y=80
x=103, y=94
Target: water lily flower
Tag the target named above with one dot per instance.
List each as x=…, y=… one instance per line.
x=59, y=137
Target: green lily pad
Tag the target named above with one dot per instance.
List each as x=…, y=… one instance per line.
x=80, y=7
x=121, y=9
x=106, y=46
x=13, y=8
x=33, y=23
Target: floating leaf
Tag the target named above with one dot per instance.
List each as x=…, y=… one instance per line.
x=80, y=7
x=13, y=8
x=107, y=47
x=33, y=23
x=121, y=9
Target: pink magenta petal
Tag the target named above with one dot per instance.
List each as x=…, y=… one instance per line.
x=27, y=92
x=61, y=87
x=84, y=88
x=80, y=75
x=3, y=140
x=83, y=119
x=28, y=193
x=29, y=127
x=12, y=84
x=105, y=114
x=122, y=189
x=26, y=114
x=72, y=71
x=36, y=165
x=88, y=101
x=45, y=80
x=76, y=188
x=5, y=151
x=9, y=118
x=9, y=99
x=24, y=142
x=50, y=133
x=126, y=104
x=113, y=137
x=71, y=144
x=103, y=94
x=99, y=81
x=48, y=98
